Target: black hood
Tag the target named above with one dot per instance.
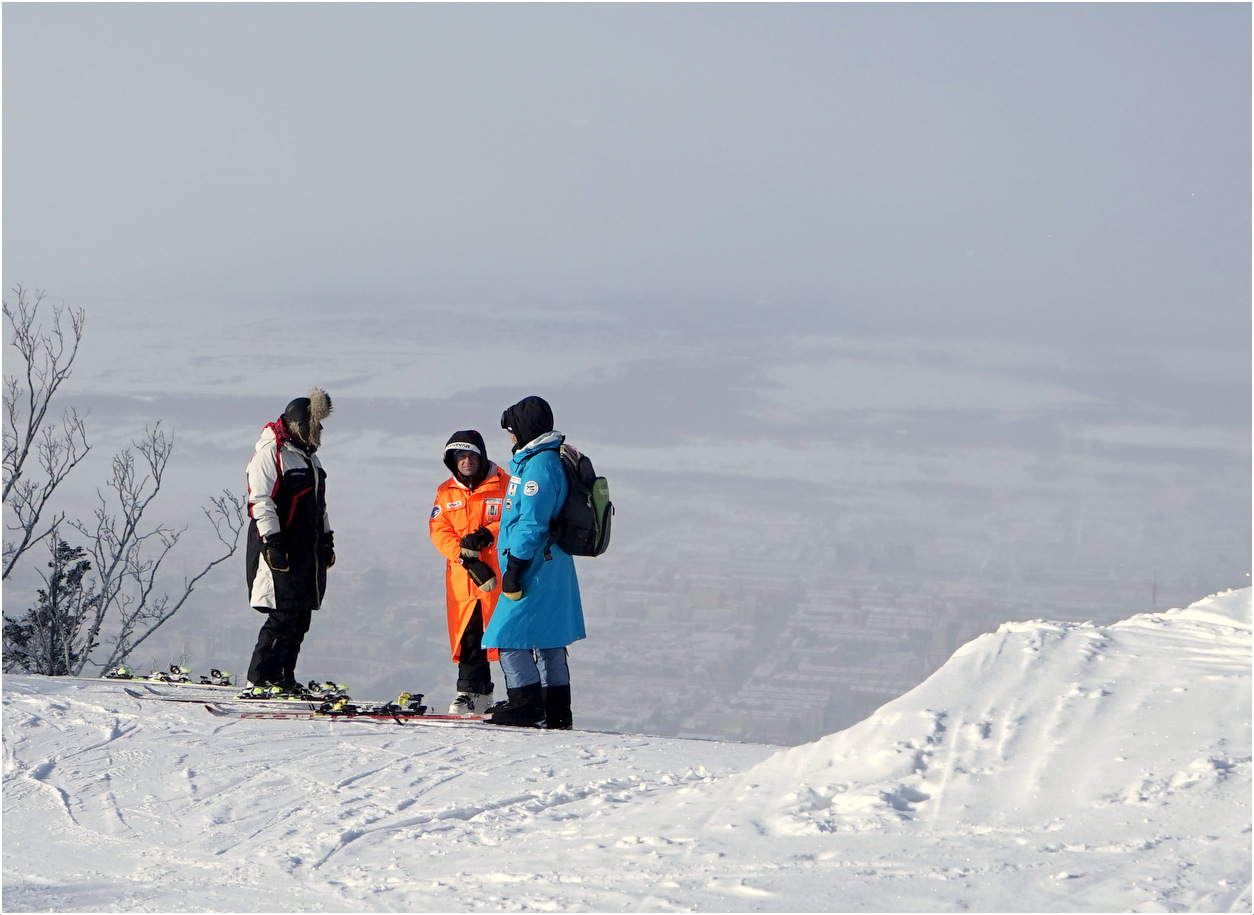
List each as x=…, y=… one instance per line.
x=466, y=440
x=528, y=419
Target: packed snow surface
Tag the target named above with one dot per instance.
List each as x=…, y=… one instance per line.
x=1046, y=767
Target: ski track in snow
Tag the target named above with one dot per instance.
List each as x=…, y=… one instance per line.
x=1046, y=767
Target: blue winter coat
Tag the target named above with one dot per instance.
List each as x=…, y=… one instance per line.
x=550, y=613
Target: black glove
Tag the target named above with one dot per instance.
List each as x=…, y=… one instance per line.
x=475, y=541
x=275, y=553
x=511, y=581
x=328, y=548
x=480, y=573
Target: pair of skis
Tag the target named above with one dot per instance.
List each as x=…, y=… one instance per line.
x=370, y=713
x=407, y=710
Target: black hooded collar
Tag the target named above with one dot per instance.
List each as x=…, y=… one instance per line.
x=529, y=419
x=467, y=440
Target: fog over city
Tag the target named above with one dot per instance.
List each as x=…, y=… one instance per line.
x=886, y=323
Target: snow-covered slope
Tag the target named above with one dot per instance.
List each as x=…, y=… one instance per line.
x=1046, y=767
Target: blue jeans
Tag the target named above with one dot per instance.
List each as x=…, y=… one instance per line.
x=526, y=666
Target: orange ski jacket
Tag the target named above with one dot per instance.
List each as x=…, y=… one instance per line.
x=457, y=512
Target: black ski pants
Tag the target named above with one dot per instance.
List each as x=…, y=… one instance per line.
x=278, y=645
x=474, y=673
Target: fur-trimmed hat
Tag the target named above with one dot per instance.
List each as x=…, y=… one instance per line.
x=304, y=415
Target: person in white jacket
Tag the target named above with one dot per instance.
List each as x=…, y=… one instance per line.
x=290, y=542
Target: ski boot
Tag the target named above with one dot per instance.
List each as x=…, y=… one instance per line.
x=467, y=705
x=524, y=708
x=255, y=692
x=271, y=691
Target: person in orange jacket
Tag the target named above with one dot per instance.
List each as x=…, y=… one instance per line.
x=464, y=524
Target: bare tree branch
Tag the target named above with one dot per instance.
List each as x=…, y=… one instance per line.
x=46, y=358
x=74, y=615
x=226, y=516
x=128, y=558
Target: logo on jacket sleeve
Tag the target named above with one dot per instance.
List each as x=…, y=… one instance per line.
x=435, y=512
x=531, y=488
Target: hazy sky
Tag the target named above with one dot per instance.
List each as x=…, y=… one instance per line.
x=711, y=235
x=1029, y=172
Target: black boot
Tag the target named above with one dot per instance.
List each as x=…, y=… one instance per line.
x=557, y=708
x=524, y=708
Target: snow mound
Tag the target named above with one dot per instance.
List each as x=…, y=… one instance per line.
x=1046, y=767
x=1036, y=724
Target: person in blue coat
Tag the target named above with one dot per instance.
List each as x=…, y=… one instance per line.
x=541, y=612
